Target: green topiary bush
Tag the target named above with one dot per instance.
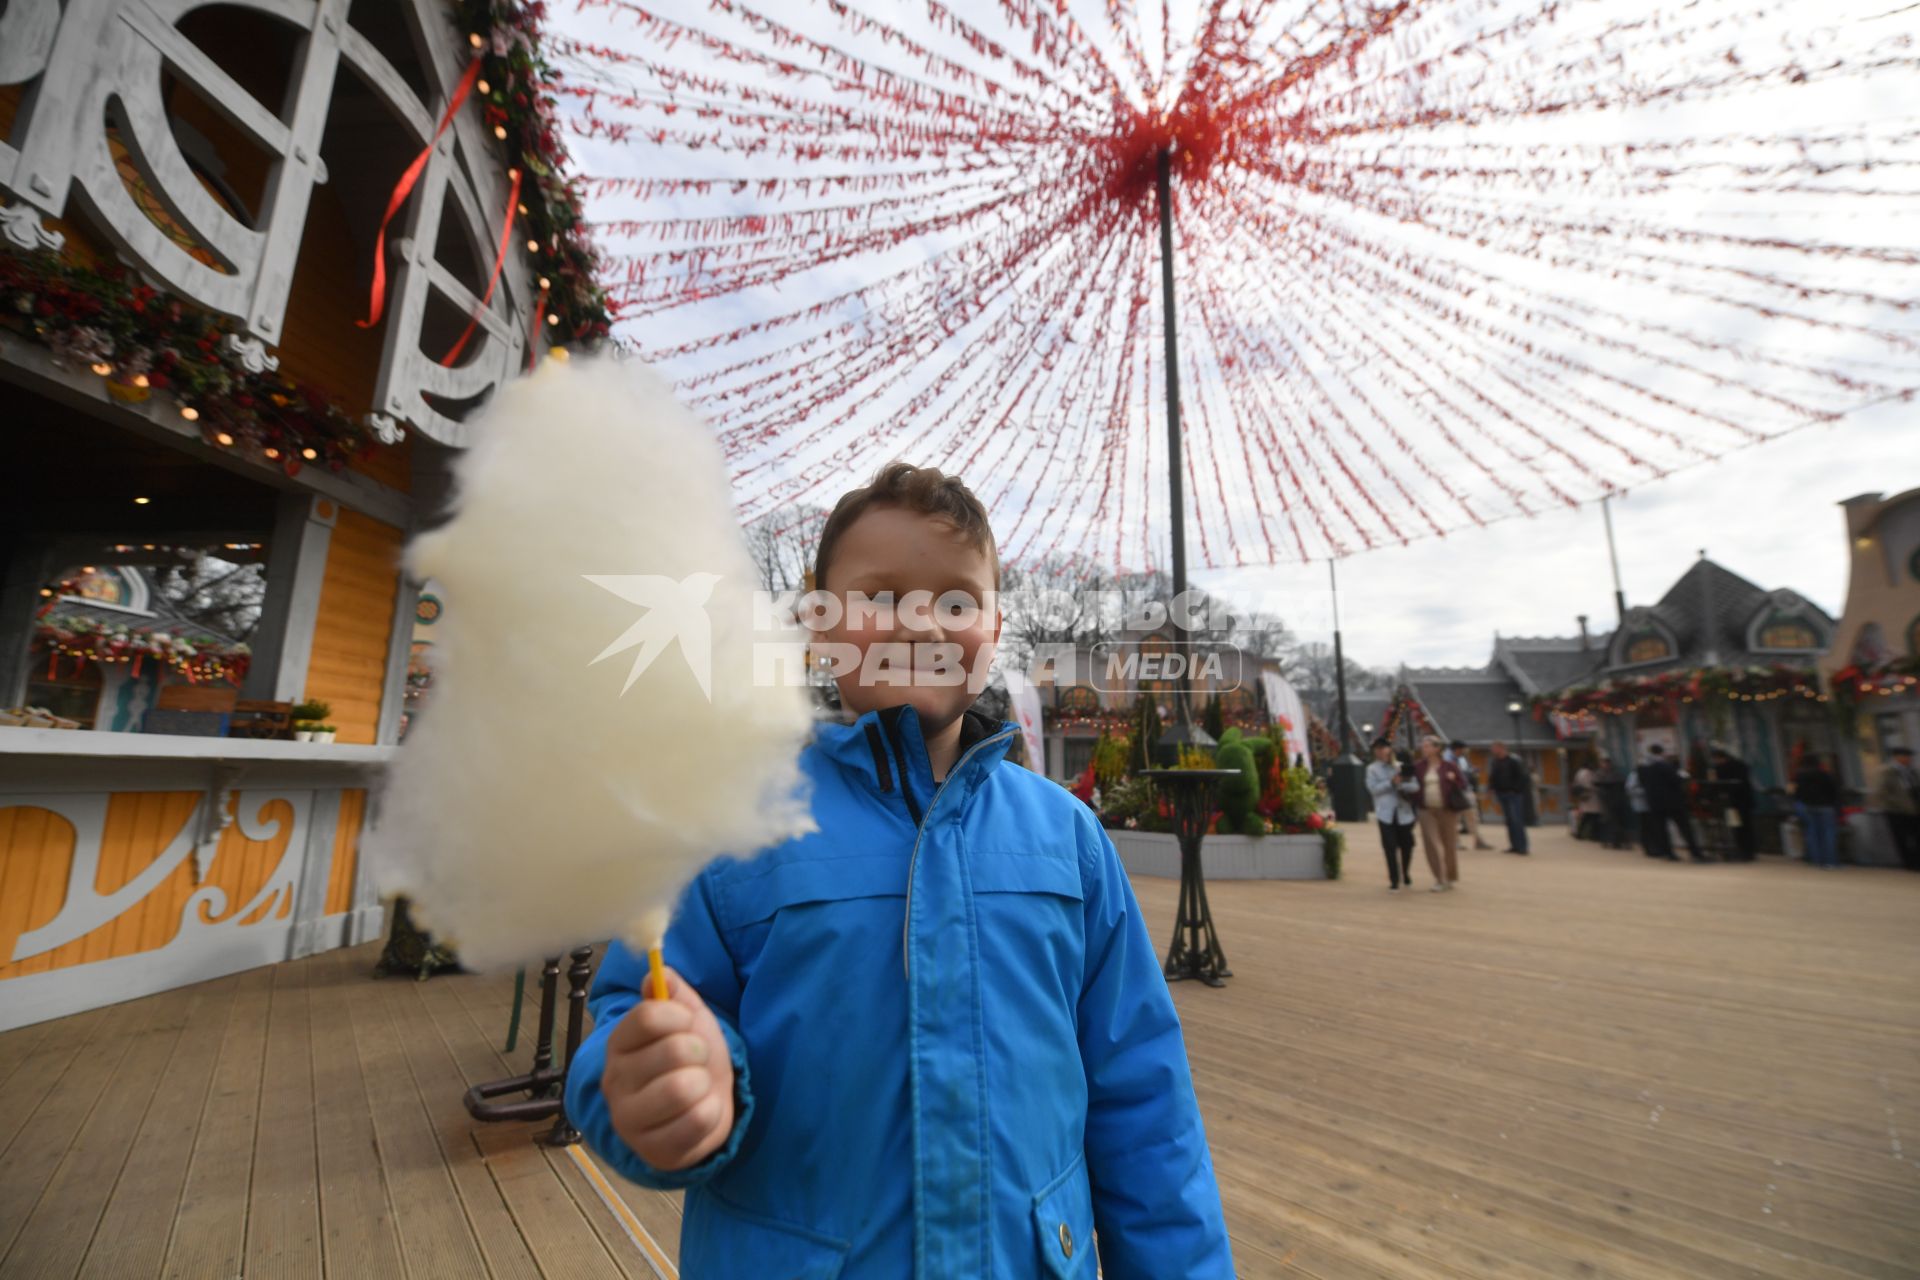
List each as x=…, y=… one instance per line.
x=1238, y=796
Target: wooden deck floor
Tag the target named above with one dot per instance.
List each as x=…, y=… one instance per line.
x=1581, y=1064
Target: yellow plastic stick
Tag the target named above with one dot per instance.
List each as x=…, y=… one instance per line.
x=656, y=972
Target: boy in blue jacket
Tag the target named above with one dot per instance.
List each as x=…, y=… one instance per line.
x=931, y=1038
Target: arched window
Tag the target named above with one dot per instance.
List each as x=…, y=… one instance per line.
x=1648, y=646
x=1788, y=633
x=1079, y=698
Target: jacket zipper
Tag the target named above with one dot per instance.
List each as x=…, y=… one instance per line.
x=906, y=963
x=906, y=777
x=879, y=759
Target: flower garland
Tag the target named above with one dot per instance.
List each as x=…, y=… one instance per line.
x=1103, y=719
x=515, y=93
x=1629, y=694
x=1405, y=704
x=1887, y=679
x=197, y=657
x=144, y=340
x=1321, y=744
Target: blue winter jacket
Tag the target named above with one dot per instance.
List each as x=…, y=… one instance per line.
x=954, y=1051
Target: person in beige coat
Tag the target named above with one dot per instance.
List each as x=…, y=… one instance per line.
x=1897, y=795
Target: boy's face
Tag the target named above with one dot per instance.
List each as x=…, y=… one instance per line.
x=886, y=554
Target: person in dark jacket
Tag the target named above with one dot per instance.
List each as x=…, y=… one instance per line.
x=1508, y=779
x=1736, y=788
x=1666, y=791
x=1816, y=799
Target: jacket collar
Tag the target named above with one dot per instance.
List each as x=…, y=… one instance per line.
x=878, y=745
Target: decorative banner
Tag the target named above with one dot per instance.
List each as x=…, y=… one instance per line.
x=1284, y=704
x=1024, y=702
x=1573, y=726
x=1436, y=264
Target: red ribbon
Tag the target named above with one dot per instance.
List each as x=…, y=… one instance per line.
x=533, y=335
x=499, y=260
x=405, y=189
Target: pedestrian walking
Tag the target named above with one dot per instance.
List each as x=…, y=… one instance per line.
x=1816, y=801
x=1736, y=792
x=1897, y=796
x=1510, y=783
x=1666, y=788
x=1655, y=840
x=1456, y=755
x=1444, y=795
x=1589, y=815
x=1394, y=789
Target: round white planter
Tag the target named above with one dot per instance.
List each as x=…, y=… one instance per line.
x=1224, y=857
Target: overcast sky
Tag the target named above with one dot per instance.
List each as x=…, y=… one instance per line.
x=1769, y=513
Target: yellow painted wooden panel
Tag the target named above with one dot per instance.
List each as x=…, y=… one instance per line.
x=36, y=856
x=36, y=853
x=346, y=852
x=349, y=661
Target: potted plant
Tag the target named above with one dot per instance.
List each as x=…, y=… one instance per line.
x=309, y=718
x=323, y=733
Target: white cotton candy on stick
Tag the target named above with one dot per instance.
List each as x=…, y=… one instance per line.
x=572, y=771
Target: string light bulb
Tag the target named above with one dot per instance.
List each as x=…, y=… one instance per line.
x=141, y=380
x=138, y=502
x=102, y=368
x=223, y=439
x=190, y=413
x=309, y=454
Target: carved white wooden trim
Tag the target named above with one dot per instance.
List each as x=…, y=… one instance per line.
x=97, y=54
x=252, y=354
x=21, y=224
x=86, y=909
x=26, y=38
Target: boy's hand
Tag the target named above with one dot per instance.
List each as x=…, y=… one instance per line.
x=669, y=1079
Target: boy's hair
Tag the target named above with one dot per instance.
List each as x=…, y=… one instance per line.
x=923, y=489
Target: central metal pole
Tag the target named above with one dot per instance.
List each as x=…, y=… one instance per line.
x=1613, y=554
x=1176, y=501
x=1339, y=663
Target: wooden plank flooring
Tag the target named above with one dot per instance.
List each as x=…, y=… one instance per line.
x=1580, y=1064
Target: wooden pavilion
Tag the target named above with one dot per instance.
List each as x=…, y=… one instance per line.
x=193, y=201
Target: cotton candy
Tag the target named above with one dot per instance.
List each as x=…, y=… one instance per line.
x=571, y=772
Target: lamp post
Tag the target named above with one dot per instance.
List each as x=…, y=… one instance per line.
x=1514, y=709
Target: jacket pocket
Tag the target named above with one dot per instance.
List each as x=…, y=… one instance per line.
x=1063, y=1222
x=719, y=1238
x=1057, y=874
x=770, y=887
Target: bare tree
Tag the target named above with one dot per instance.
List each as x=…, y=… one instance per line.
x=1311, y=671
x=1054, y=602
x=216, y=594
x=782, y=544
